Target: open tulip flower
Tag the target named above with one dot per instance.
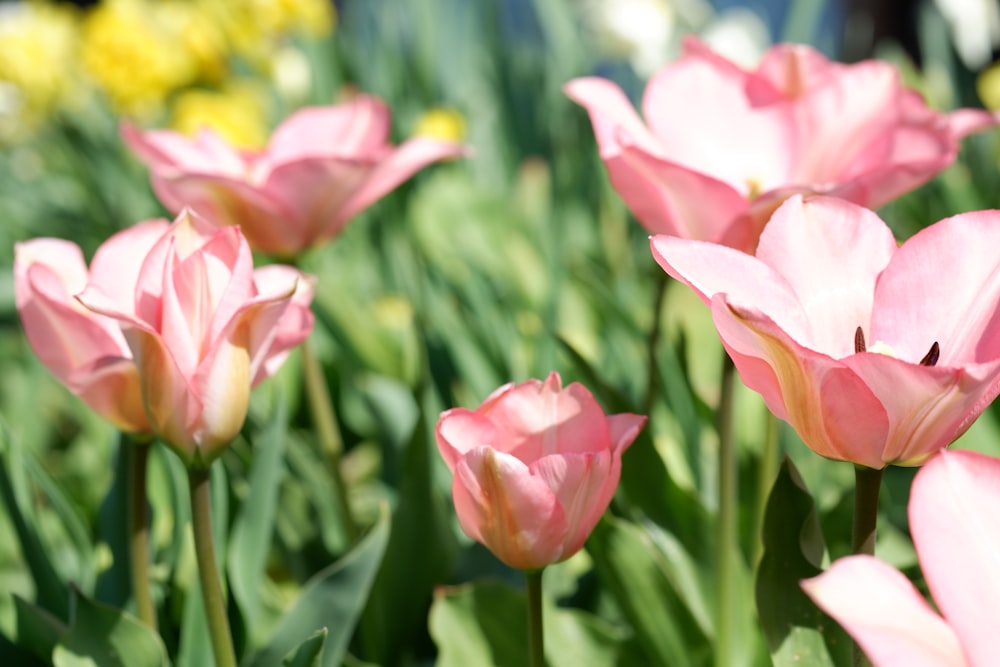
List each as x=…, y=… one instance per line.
x=86, y=352
x=722, y=147
x=954, y=514
x=535, y=467
x=322, y=166
x=875, y=353
x=200, y=324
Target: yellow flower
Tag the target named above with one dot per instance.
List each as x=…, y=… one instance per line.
x=133, y=56
x=235, y=112
x=441, y=123
x=255, y=27
x=988, y=86
x=38, y=44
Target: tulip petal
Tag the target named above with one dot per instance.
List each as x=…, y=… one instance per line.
x=542, y=418
x=584, y=485
x=501, y=504
x=955, y=521
x=396, y=167
x=831, y=254
x=460, y=431
x=624, y=428
x=928, y=407
x=832, y=409
x=358, y=129
x=612, y=116
x=700, y=127
x=944, y=285
x=294, y=326
x=173, y=153
x=885, y=614
x=118, y=261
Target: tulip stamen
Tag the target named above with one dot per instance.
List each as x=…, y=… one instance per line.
x=859, y=341
x=932, y=356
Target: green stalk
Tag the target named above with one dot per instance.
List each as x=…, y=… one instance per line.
x=536, y=634
x=766, y=473
x=867, y=482
x=138, y=530
x=652, y=342
x=325, y=420
x=726, y=536
x=208, y=573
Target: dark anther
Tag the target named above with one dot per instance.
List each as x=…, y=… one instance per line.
x=859, y=341
x=932, y=356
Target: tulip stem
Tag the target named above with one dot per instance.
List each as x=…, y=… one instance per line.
x=536, y=638
x=867, y=482
x=138, y=530
x=651, y=344
x=325, y=419
x=766, y=473
x=727, y=542
x=208, y=573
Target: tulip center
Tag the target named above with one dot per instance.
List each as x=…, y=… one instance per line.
x=878, y=347
x=754, y=188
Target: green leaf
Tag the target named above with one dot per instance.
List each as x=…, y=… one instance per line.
x=253, y=528
x=796, y=631
x=309, y=653
x=332, y=599
x=52, y=593
x=641, y=579
x=103, y=636
x=485, y=624
x=418, y=557
x=35, y=629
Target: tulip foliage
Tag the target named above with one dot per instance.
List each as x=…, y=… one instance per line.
x=616, y=368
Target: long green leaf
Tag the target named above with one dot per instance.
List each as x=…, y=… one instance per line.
x=332, y=599
x=797, y=632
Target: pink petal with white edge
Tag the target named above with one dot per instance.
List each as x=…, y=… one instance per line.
x=624, y=428
x=885, y=614
x=514, y=513
x=831, y=253
x=955, y=522
x=297, y=322
x=944, y=285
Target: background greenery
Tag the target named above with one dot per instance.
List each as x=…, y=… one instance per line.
x=505, y=266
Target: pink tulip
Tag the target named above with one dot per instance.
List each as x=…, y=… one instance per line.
x=722, y=147
x=322, y=167
x=875, y=353
x=535, y=467
x=85, y=351
x=203, y=327
x=954, y=516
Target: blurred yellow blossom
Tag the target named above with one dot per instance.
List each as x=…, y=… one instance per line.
x=441, y=123
x=988, y=86
x=235, y=112
x=255, y=27
x=133, y=57
x=38, y=42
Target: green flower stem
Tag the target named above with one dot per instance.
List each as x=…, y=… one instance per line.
x=867, y=482
x=208, y=573
x=138, y=530
x=766, y=473
x=726, y=536
x=536, y=634
x=653, y=341
x=325, y=419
